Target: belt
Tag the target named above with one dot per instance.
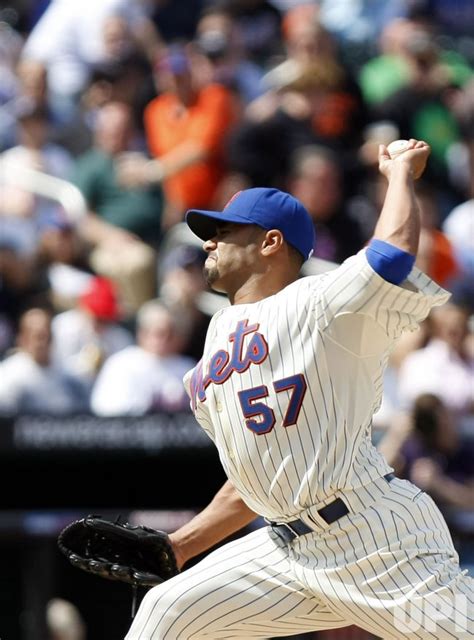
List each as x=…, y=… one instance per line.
x=336, y=509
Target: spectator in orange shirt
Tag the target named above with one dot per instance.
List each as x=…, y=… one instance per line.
x=436, y=255
x=186, y=127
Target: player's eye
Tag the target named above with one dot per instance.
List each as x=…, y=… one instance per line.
x=222, y=231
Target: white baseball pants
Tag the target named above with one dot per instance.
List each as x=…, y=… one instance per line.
x=389, y=568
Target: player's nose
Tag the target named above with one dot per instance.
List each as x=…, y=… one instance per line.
x=209, y=245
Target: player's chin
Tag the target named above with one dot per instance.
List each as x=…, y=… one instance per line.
x=211, y=275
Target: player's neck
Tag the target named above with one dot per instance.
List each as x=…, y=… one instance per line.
x=258, y=287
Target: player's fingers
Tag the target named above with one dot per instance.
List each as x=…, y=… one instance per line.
x=420, y=144
x=383, y=153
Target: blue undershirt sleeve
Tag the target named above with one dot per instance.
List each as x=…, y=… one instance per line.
x=390, y=262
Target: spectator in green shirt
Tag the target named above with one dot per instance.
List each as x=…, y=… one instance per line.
x=120, y=221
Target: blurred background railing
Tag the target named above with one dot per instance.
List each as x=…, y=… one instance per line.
x=42, y=184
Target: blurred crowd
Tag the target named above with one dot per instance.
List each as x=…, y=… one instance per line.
x=116, y=116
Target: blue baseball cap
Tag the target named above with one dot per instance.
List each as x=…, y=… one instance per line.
x=267, y=208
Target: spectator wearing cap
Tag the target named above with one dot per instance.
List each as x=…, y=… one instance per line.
x=31, y=382
x=147, y=377
x=186, y=128
x=84, y=336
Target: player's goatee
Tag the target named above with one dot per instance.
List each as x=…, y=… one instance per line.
x=211, y=274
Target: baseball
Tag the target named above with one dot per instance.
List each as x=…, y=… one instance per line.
x=397, y=147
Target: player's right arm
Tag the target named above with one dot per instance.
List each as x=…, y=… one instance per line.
x=399, y=221
x=374, y=296
x=392, y=251
x=226, y=514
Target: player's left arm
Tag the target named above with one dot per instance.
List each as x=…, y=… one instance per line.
x=226, y=514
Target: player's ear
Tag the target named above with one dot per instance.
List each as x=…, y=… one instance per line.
x=272, y=242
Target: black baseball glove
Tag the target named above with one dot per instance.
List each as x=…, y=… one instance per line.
x=137, y=555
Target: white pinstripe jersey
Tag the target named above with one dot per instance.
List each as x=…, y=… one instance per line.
x=287, y=386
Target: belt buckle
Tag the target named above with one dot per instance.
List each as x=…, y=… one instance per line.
x=283, y=530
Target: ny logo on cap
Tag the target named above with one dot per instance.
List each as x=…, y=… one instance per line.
x=233, y=198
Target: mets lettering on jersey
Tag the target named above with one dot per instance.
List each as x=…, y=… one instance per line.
x=222, y=365
x=259, y=417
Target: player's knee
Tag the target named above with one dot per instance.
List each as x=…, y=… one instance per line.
x=166, y=613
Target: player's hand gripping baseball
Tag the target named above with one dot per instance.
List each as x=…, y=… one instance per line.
x=415, y=156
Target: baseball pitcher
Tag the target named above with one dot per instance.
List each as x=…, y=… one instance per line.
x=289, y=380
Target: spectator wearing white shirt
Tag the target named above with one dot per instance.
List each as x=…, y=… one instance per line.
x=30, y=382
x=444, y=367
x=148, y=377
